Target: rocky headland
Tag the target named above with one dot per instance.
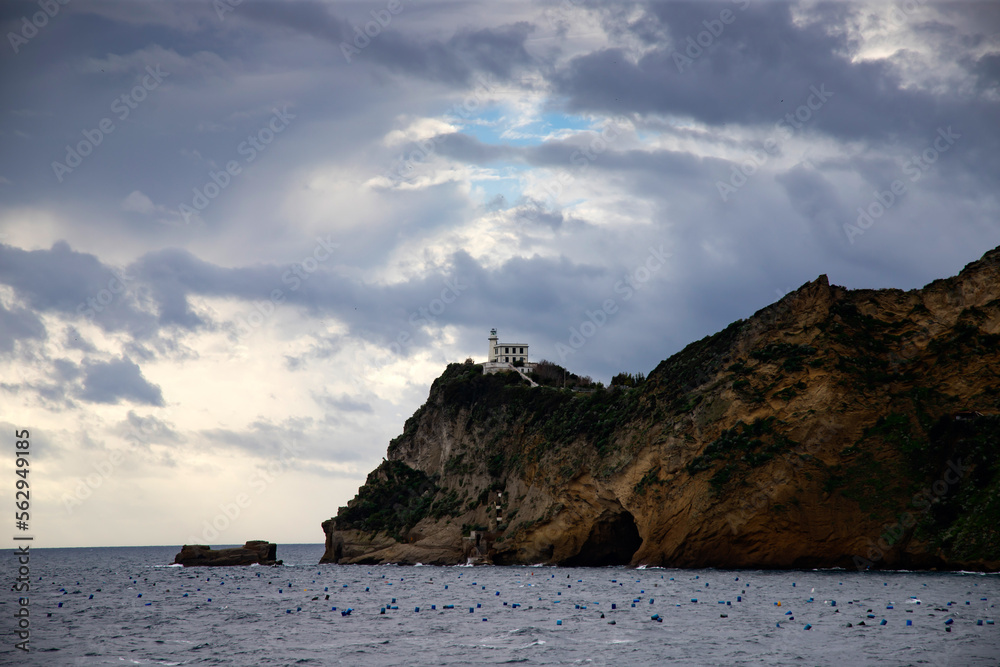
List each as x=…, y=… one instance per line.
x=834, y=428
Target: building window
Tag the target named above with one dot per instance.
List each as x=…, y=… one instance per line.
x=522, y=350
x=506, y=350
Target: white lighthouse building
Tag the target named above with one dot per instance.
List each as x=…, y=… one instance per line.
x=506, y=353
x=501, y=356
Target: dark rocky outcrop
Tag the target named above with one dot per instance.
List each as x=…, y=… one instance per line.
x=253, y=552
x=834, y=428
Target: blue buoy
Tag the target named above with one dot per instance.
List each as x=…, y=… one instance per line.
x=807, y=626
x=882, y=622
x=949, y=621
x=909, y=622
x=559, y=621
x=416, y=609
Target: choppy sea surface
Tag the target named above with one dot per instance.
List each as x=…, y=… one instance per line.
x=127, y=606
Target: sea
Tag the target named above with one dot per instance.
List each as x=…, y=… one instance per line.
x=130, y=606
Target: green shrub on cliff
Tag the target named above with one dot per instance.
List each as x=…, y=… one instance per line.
x=740, y=448
x=394, y=498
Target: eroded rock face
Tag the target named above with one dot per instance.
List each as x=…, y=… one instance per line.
x=253, y=552
x=835, y=428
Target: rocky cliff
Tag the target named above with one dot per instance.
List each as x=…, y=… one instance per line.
x=834, y=428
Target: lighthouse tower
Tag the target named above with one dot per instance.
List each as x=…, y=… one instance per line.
x=491, y=354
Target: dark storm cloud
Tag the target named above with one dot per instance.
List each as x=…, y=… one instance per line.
x=16, y=324
x=470, y=149
x=66, y=370
x=987, y=69
x=576, y=155
x=380, y=313
x=813, y=198
x=72, y=283
x=112, y=381
x=761, y=58
x=497, y=50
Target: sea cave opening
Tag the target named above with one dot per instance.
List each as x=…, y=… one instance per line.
x=613, y=540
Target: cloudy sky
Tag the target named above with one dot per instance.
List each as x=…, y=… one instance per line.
x=238, y=240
